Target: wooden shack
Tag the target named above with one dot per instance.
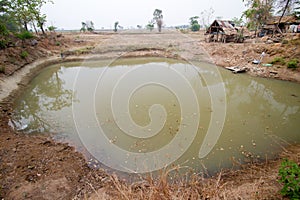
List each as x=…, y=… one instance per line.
x=224, y=31
x=271, y=25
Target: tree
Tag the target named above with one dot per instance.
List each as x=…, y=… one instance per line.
x=150, y=25
x=87, y=26
x=237, y=21
x=90, y=26
x=206, y=16
x=26, y=12
x=297, y=9
x=52, y=28
x=195, y=26
x=6, y=21
x=83, y=27
x=158, y=17
x=258, y=12
x=116, y=26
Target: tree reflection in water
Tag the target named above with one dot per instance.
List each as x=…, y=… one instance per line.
x=47, y=93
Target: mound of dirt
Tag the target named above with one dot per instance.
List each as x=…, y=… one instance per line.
x=242, y=55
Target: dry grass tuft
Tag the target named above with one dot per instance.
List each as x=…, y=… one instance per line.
x=252, y=181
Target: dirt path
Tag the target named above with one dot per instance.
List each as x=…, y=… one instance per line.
x=36, y=167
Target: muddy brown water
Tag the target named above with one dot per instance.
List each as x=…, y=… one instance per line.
x=142, y=114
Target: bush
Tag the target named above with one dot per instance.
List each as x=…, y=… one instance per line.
x=52, y=28
x=3, y=30
x=184, y=31
x=3, y=44
x=2, y=69
x=195, y=27
x=293, y=64
x=289, y=173
x=279, y=60
x=25, y=35
x=24, y=54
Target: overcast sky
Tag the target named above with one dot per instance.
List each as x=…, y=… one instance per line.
x=68, y=14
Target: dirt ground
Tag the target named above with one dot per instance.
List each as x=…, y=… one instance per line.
x=36, y=167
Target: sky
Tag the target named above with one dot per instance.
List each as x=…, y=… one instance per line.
x=68, y=14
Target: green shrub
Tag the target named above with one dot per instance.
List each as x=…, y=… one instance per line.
x=3, y=30
x=24, y=54
x=2, y=69
x=279, y=60
x=289, y=173
x=25, y=35
x=52, y=28
x=293, y=64
x=195, y=27
x=3, y=44
x=184, y=31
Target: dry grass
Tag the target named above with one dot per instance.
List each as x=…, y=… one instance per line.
x=252, y=181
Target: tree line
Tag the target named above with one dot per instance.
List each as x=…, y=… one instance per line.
x=20, y=15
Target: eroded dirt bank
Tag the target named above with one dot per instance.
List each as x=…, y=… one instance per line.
x=36, y=167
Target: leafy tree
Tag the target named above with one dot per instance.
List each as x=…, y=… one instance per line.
x=22, y=14
x=297, y=9
x=116, y=26
x=4, y=4
x=150, y=25
x=27, y=12
x=90, y=26
x=237, y=21
x=83, y=27
x=158, y=17
x=87, y=26
x=52, y=28
x=195, y=26
x=258, y=12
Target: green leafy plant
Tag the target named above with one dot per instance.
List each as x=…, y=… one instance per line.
x=52, y=28
x=116, y=26
x=195, y=26
x=277, y=60
x=3, y=30
x=25, y=35
x=2, y=69
x=150, y=25
x=24, y=54
x=289, y=173
x=3, y=44
x=293, y=64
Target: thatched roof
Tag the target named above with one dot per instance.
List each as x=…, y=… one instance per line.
x=221, y=26
x=284, y=20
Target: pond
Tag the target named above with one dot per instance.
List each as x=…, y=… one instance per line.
x=140, y=115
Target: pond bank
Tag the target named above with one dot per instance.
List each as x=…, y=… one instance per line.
x=36, y=167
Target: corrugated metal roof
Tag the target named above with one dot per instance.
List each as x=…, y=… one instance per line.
x=225, y=24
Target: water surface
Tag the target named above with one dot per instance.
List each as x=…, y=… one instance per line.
x=72, y=100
